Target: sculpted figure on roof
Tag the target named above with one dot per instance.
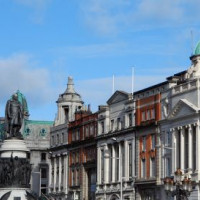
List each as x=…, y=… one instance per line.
x=194, y=70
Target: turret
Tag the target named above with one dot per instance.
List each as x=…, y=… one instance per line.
x=68, y=103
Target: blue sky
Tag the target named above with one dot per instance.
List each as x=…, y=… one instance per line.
x=45, y=41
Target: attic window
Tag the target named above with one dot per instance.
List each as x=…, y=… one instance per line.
x=43, y=132
x=27, y=131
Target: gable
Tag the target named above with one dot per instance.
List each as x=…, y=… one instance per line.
x=183, y=108
x=117, y=97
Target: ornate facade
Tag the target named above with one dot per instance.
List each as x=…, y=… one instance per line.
x=68, y=103
x=116, y=148
x=82, y=155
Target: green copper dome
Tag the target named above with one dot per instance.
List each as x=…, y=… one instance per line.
x=197, y=49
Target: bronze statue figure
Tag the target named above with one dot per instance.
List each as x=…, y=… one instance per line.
x=13, y=116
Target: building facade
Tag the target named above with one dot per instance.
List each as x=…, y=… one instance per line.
x=148, y=167
x=82, y=155
x=68, y=103
x=116, y=148
x=180, y=125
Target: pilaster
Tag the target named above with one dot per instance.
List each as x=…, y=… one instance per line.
x=113, y=164
x=190, y=159
x=182, y=152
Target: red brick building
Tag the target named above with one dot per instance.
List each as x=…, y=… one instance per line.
x=148, y=113
x=82, y=155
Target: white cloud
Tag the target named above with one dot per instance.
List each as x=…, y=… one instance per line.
x=110, y=17
x=38, y=6
x=18, y=72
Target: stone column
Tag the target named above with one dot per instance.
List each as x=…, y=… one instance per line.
x=65, y=180
x=106, y=164
x=190, y=159
x=133, y=157
x=98, y=166
x=182, y=152
x=55, y=169
x=50, y=175
x=197, y=148
x=175, y=150
x=118, y=160
x=126, y=160
x=113, y=163
x=60, y=170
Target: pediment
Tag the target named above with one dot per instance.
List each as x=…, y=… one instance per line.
x=117, y=97
x=182, y=108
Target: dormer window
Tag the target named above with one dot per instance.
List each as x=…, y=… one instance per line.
x=118, y=123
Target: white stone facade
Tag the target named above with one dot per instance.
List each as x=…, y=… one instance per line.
x=67, y=103
x=180, y=144
x=116, y=148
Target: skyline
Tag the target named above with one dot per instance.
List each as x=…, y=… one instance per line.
x=45, y=41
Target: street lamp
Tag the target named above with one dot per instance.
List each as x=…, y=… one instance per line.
x=178, y=187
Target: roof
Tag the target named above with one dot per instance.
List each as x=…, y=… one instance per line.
x=151, y=87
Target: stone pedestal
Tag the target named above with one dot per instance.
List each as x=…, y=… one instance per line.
x=15, y=170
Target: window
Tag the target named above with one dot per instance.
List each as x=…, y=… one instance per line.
x=66, y=111
x=43, y=173
x=52, y=140
x=73, y=157
x=28, y=155
x=153, y=167
x=62, y=139
x=73, y=136
x=148, y=115
x=178, y=149
x=102, y=127
x=86, y=132
x=91, y=129
x=77, y=177
x=168, y=166
x=143, y=116
x=57, y=139
x=77, y=134
x=168, y=140
x=117, y=162
x=110, y=164
x=122, y=154
x=143, y=168
x=118, y=124
x=153, y=141
x=43, y=156
x=112, y=125
x=143, y=143
x=77, y=157
x=102, y=165
x=73, y=177
x=130, y=119
x=152, y=113
x=194, y=148
x=130, y=159
x=186, y=146
x=43, y=188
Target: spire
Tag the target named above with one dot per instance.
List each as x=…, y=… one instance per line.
x=70, y=86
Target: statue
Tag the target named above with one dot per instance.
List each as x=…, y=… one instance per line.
x=165, y=108
x=13, y=116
